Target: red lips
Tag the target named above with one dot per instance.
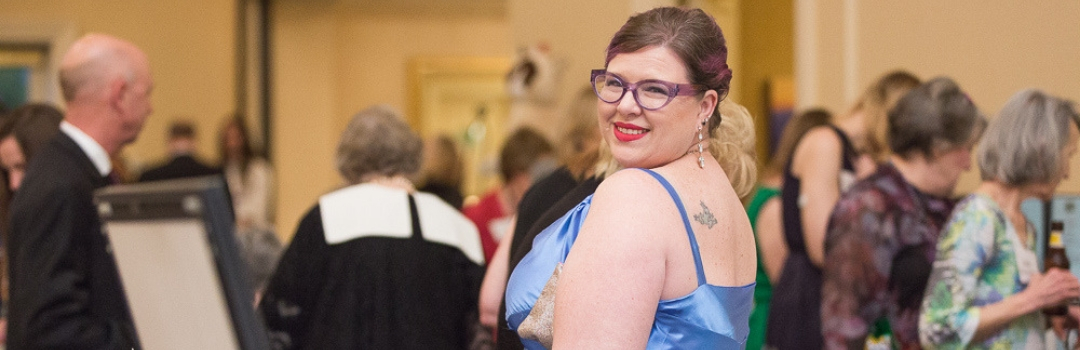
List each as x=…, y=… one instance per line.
x=626, y=132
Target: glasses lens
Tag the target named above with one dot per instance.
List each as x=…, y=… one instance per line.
x=652, y=95
x=608, y=88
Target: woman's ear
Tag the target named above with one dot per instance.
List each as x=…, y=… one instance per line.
x=708, y=104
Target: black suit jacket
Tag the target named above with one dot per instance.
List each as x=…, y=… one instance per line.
x=65, y=288
x=179, y=167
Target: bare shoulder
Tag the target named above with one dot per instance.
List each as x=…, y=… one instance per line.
x=628, y=188
x=821, y=145
x=820, y=138
x=625, y=179
x=770, y=209
x=628, y=202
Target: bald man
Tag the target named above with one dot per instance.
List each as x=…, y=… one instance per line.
x=65, y=289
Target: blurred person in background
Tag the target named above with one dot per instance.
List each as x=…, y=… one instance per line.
x=985, y=289
x=250, y=179
x=826, y=161
x=182, y=161
x=442, y=170
x=377, y=264
x=65, y=288
x=883, y=232
x=249, y=176
x=526, y=156
x=763, y=211
x=23, y=133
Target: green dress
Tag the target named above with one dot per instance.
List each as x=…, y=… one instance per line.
x=763, y=292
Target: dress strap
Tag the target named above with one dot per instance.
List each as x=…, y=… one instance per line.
x=849, y=151
x=416, y=233
x=686, y=222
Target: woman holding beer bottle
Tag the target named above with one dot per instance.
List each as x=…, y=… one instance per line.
x=985, y=290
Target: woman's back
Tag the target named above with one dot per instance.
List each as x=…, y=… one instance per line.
x=711, y=315
x=376, y=267
x=718, y=222
x=636, y=234
x=794, y=320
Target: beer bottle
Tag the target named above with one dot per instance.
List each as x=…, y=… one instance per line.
x=1055, y=258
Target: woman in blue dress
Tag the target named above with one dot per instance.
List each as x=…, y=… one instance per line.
x=663, y=255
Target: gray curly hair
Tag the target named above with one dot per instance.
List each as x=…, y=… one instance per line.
x=1024, y=144
x=377, y=142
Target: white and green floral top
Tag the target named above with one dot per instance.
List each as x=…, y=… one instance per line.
x=980, y=261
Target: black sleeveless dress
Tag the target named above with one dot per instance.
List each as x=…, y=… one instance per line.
x=794, y=320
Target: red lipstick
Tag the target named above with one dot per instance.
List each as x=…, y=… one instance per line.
x=628, y=132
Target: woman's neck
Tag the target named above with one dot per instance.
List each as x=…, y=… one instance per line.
x=1008, y=198
x=917, y=172
x=854, y=126
x=397, y=181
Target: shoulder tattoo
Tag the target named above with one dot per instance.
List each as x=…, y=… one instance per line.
x=705, y=217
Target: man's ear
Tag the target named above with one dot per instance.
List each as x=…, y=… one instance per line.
x=116, y=92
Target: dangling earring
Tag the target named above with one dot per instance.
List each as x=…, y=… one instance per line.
x=700, y=148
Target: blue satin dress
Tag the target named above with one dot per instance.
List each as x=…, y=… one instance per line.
x=710, y=317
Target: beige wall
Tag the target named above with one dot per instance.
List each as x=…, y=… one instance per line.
x=190, y=47
x=330, y=61
x=991, y=50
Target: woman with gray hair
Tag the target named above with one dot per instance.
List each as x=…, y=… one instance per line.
x=985, y=290
x=883, y=233
x=377, y=265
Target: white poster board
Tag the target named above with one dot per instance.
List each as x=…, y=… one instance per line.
x=178, y=262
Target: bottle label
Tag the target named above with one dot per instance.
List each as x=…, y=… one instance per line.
x=1055, y=240
x=883, y=342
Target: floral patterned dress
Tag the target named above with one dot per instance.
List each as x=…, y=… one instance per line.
x=980, y=261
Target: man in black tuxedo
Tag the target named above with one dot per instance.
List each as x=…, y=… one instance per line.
x=183, y=163
x=65, y=288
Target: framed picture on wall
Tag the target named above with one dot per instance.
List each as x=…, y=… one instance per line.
x=464, y=98
x=17, y=64
x=30, y=54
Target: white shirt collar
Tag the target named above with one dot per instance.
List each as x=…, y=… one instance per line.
x=373, y=210
x=92, y=148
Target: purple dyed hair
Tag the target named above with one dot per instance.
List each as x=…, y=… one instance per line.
x=691, y=34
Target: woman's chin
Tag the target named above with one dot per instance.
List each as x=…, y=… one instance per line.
x=635, y=162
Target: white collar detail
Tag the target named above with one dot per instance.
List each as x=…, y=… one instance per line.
x=367, y=210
